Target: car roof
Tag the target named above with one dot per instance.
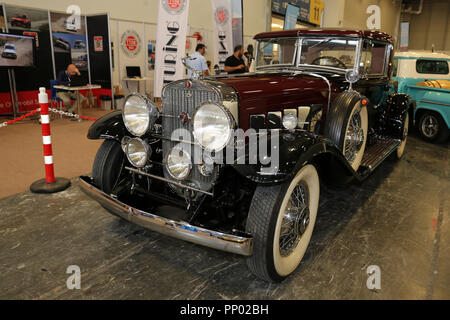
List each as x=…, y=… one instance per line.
x=375, y=35
x=422, y=54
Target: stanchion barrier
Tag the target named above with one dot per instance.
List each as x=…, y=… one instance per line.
x=50, y=184
x=71, y=115
x=67, y=114
x=7, y=123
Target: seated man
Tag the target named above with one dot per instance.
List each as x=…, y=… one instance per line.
x=66, y=96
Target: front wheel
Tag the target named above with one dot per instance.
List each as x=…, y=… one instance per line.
x=281, y=220
x=108, y=166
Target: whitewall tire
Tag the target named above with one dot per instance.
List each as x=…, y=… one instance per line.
x=281, y=220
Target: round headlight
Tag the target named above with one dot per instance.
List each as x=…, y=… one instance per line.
x=178, y=163
x=137, y=152
x=139, y=114
x=213, y=126
x=290, y=121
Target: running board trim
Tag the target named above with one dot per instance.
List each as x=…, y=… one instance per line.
x=378, y=152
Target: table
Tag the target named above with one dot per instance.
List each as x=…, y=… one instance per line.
x=78, y=89
x=138, y=80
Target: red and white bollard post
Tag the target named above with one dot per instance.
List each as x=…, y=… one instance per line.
x=50, y=184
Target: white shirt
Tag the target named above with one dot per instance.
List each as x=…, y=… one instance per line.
x=197, y=62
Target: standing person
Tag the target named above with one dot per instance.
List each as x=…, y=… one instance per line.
x=197, y=61
x=235, y=64
x=67, y=96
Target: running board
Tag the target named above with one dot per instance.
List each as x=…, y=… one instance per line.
x=378, y=152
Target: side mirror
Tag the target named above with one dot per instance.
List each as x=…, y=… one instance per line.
x=395, y=84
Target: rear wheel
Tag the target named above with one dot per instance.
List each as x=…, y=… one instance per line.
x=401, y=149
x=281, y=220
x=432, y=128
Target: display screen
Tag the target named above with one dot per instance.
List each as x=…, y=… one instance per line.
x=16, y=51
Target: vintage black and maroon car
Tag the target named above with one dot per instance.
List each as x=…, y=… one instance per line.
x=318, y=104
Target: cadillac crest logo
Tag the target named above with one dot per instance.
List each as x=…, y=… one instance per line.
x=131, y=43
x=222, y=15
x=174, y=6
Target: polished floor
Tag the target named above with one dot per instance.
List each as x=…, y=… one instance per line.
x=397, y=220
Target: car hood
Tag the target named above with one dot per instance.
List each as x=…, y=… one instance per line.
x=266, y=92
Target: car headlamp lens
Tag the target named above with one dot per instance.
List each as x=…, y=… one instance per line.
x=213, y=126
x=137, y=152
x=290, y=121
x=178, y=163
x=139, y=114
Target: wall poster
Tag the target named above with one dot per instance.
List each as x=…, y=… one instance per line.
x=69, y=41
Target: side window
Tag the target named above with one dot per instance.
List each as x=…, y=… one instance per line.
x=395, y=72
x=373, y=58
x=432, y=66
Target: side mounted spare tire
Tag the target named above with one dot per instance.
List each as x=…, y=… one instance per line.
x=347, y=126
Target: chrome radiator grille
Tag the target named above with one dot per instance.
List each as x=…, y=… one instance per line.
x=178, y=99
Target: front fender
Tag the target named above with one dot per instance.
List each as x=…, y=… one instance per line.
x=110, y=126
x=296, y=149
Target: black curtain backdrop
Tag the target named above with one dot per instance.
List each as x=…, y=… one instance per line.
x=100, y=63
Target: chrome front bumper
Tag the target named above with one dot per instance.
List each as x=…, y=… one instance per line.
x=176, y=229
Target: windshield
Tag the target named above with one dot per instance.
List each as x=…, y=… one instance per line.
x=329, y=52
x=326, y=52
x=276, y=52
x=9, y=47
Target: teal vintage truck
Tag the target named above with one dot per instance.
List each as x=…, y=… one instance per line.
x=425, y=77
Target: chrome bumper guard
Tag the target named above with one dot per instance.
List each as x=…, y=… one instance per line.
x=176, y=229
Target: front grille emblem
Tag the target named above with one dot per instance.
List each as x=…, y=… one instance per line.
x=184, y=118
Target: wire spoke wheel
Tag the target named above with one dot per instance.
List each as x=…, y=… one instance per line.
x=281, y=219
x=295, y=221
x=354, y=137
x=347, y=126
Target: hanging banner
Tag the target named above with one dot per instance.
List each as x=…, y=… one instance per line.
x=170, y=42
x=223, y=32
x=290, y=20
x=237, y=22
x=310, y=10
